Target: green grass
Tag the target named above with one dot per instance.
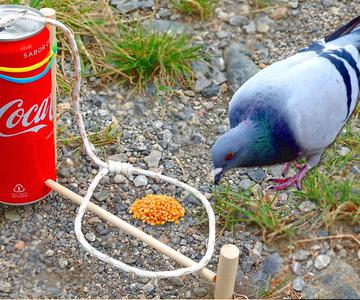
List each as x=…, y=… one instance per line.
x=204, y=8
x=114, y=48
x=233, y=207
x=108, y=136
x=336, y=196
x=335, y=189
x=140, y=56
x=260, y=4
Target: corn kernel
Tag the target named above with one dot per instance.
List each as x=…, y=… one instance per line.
x=157, y=209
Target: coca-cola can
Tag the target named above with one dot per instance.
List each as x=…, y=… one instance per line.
x=27, y=142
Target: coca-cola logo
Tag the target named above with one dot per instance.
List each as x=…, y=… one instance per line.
x=16, y=120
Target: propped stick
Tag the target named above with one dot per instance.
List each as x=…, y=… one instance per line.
x=129, y=229
x=51, y=14
x=226, y=273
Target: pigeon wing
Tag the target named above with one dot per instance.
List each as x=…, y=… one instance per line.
x=323, y=93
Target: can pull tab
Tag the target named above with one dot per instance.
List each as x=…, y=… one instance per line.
x=11, y=19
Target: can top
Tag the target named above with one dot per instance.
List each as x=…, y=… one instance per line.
x=17, y=28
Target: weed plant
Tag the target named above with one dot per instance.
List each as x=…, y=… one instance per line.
x=204, y=8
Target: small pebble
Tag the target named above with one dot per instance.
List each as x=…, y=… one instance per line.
x=275, y=171
x=158, y=124
x=49, y=253
x=245, y=184
x=323, y=233
x=189, y=93
x=63, y=263
x=5, y=286
x=307, y=206
x=120, y=178
x=93, y=220
x=262, y=28
x=280, y=13
x=153, y=159
x=140, y=180
x=222, y=34
x=90, y=236
x=315, y=247
x=148, y=288
x=338, y=246
x=294, y=4
x=355, y=170
x=250, y=28
x=296, y=267
x=327, y=3
x=309, y=264
x=237, y=20
x=144, y=280
x=221, y=15
x=257, y=174
x=102, y=195
x=322, y=261
x=298, y=284
x=247, y=264
x=301, y=255
x=200, y=292
x=344, y=151
x=177, y=281
x=356, y=229
x=211, y=90
x=342, y=253
x=12, y=215
x=129, y=260
x=244, y=9
x=20, y=245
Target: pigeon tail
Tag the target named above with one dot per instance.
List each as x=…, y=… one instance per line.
x=344, y=30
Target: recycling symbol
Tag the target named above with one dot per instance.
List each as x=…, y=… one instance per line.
x=19, y=188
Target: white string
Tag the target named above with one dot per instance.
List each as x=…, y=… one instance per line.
x=126, y=169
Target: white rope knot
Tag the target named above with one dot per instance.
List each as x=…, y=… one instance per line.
x=120, y=168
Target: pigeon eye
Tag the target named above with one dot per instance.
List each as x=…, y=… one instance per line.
x=229, y=156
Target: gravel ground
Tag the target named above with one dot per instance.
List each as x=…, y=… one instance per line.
x=39, y=254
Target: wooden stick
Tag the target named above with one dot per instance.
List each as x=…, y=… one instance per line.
x=51, y=14
x=226, y=273
x=129, y=229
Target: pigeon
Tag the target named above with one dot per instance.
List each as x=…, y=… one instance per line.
x=294, y=108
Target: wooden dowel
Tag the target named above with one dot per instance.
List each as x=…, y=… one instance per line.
x=226, y=273
x=51, y=14
x=129, y=229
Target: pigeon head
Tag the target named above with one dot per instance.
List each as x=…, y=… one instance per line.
x=231, y=149
x=264, y=138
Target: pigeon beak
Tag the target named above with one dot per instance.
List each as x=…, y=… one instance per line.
x=218, y=172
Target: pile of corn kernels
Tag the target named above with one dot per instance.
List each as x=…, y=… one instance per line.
x=157, y=209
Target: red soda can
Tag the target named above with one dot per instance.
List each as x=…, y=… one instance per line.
x=27, y=143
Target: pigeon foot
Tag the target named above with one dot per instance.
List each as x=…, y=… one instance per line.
x=294, y=180
x=287, y=166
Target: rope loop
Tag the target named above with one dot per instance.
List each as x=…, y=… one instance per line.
x=125, y=267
